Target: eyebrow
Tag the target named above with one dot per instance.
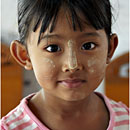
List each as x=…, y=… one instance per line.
x=87, y=34
x=48, y=36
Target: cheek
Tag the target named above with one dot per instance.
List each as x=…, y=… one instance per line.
x=44, y=69
x=96, y=65
x=96, y=71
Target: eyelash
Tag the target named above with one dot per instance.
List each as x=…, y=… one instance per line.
x=92, y=45
x=54, y=45
x=89, y=44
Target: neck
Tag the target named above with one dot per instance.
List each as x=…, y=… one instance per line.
x=54, y=105
x=59, y=114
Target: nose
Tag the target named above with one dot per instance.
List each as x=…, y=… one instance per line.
x=66, y=68
x=72, y=64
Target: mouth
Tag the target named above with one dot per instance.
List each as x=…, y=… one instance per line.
x=72, y=83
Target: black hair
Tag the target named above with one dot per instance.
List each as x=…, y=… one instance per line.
x=96, y=12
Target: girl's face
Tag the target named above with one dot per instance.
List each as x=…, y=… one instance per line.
x=68, y=64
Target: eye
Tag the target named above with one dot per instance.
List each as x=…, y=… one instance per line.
x=88, y=46
x=53, y=48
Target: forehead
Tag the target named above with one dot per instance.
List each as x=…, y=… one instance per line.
x=64, y=22
x=64, y=15
x=64, y=26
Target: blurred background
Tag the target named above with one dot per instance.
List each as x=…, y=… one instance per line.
x=18, y=83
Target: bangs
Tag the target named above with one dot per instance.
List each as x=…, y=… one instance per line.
x=95, y=12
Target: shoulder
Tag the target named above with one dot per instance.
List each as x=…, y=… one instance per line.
x=119, y=113
x=119, y=107
x=113, y=105
x=13, y=116
x=18, y=118
x=11, y=120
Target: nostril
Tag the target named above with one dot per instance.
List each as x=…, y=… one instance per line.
x=66, y=68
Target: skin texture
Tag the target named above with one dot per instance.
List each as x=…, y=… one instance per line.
x=91, y=62
x=60, y=107
x=51, y=66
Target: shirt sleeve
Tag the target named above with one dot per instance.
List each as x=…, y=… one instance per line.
x=2, y=126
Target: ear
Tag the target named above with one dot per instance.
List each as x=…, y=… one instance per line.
x=112, y=47
x=20, y=54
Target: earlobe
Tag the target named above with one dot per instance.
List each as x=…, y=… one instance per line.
x=112, y=47
x=19, y=53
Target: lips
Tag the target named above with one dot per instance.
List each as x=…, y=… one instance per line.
x=72, y=83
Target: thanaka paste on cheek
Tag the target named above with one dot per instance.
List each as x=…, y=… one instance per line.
x=90, y=64
x=72, y=60
x=49, y=70
x=49, y=61
x=91, y=70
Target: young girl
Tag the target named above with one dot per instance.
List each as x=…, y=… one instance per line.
x=68, y=44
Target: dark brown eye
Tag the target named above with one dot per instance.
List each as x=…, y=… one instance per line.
x=53, y=48
x=88, y=46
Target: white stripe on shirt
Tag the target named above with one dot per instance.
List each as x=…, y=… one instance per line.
x=118, y=109
x=15, y=115
x=31, y=127
x=19, y=122
x=122, y=127
x=121, y=118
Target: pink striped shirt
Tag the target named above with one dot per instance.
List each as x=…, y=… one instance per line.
x=21, y=118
